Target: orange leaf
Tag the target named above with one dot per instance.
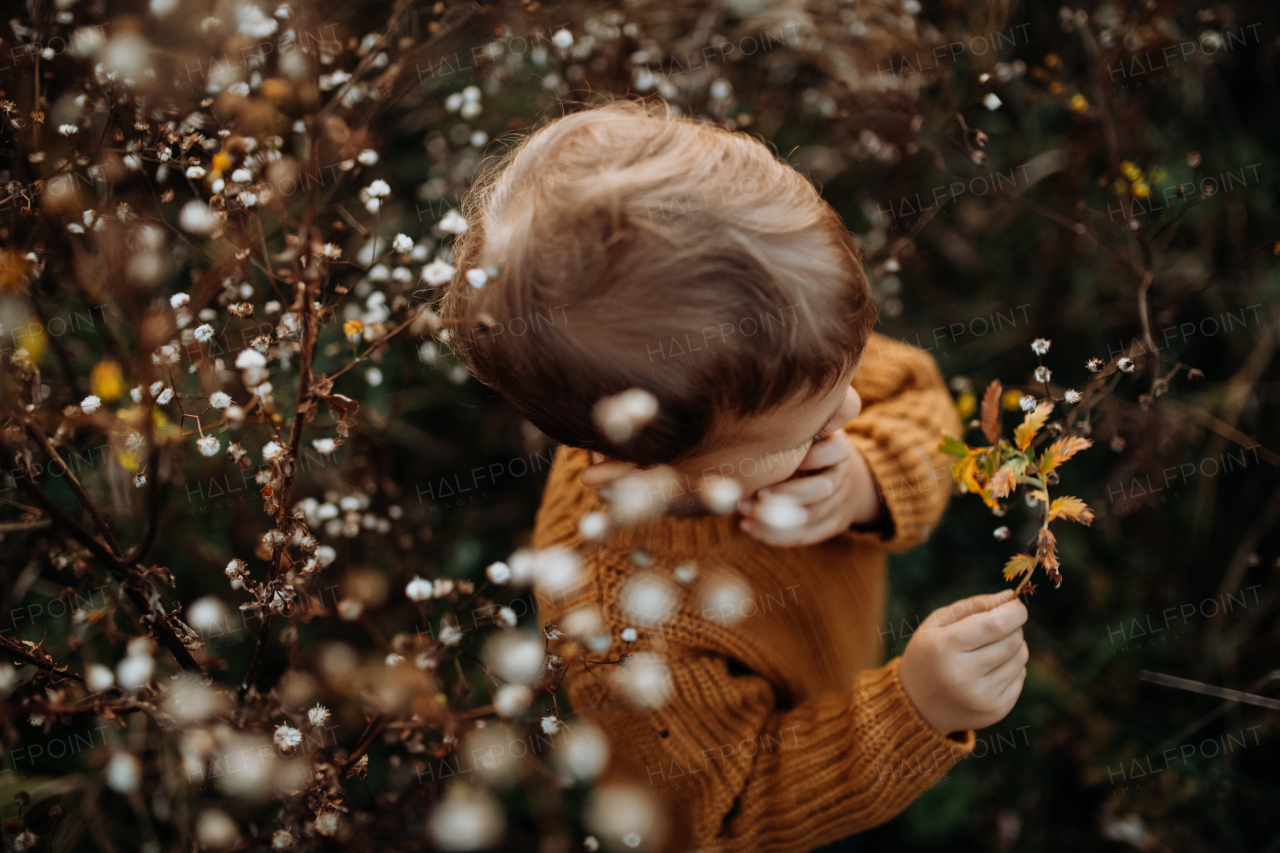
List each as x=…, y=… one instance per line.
x=1062, y=450
x=1047, y=549
x=1019, y=564
x=1072, y=509
x=1006, y=478
x=1027, y=430
x=991, y=411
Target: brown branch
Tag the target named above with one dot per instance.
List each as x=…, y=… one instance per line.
x=130, y=583
x=14, y=649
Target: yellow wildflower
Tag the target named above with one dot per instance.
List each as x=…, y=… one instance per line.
x=106, y=380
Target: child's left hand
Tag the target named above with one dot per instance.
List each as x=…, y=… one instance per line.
x=834, y=488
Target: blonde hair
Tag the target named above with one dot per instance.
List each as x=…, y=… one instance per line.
x=622, y=232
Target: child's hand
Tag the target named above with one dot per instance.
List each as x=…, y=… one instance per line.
x=833, y=489
x=964, y=666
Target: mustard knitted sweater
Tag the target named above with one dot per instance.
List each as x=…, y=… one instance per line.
x=772, y=728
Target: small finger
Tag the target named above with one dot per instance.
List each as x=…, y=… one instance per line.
x=804, y=490
x=958, y=610
x=827, y=452
x=976, y=631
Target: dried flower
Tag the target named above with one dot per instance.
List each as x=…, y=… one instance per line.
x=209, y=446
x=318, y=716
x=1027, y=403
x=90, y=404
x=286, y=737
x=453, y=223
x=1094, y=365
x=418, y=589
x=1043, y=373
x=1125, y=364
x=498, y=573
x=1072, y=396
x=992, y=101
x=1001, y=533
x=1040, y=346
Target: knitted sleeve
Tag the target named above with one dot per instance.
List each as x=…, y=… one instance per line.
x=740, y=773
x=906, y=408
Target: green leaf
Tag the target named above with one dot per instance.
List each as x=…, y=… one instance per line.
x=953, y=447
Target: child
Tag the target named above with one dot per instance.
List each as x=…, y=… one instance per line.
x=640, y=250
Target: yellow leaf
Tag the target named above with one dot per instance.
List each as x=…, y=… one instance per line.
x=1072, y=509
x=1039, y=495
x=106, y=381
x=1026, y=431
x=1062, y=450
x=1019, y=564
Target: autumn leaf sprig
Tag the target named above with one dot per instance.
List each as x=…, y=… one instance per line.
x=998, y=470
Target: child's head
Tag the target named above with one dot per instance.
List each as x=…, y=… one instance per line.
x=635, y=249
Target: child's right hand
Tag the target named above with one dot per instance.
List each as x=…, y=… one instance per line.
x=964, y=666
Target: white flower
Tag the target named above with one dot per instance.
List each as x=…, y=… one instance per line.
x=197, y=218
x=1043, y=373
x=512, y=699
x=593, y=525
x=620, y=416
x=418, y=589
x=437, y=272
x=992, y=101
x=562, y=39
x=498, y=573
x=99, y=677
x=1125, y=364
x=286, y=737
x=123, y=772
x=648, y=598
x=477, y=277
x=450, y=634
x=196, y=172
x=24, y=841
x=251, y=22
x=271, y=450
x=629, y=635
x=332, y=251
x=164, y=397
x=250, y=358
x=1072, y=396
x=139, y=480
x=373, y=376
x=68, y=129
x=206, y=613
x=403, y=244
x=203, y=332
x=1001, y=533
x=781, y=512
x=219, y=399
x=1094, y=365
x=318, y=716
x=721, y=493
x=367, y=157
x=466, y=820
x=1040, y=346
x=506, y=617
x=516, y=656
x=241, y=176
x=686, y=572
x=209, y=446
x=377, y=189
x=133, y=671
x=136, y=393
x=282, y=839
x=90, y=404
x=324, y=446
x=453, y=223
x=1027, y=403
x=551, y=725
x=645, y=679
